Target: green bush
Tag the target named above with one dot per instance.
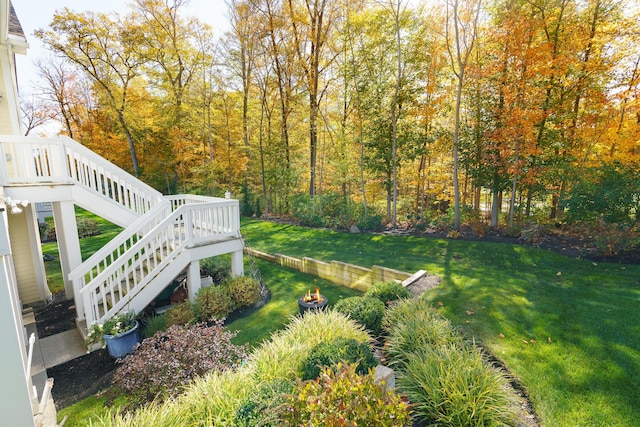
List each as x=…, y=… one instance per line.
x=370, y=223
x=181, y=314
x=329, y=354
x=452, y=385
x=87, y=227
x=213, y=302
x=155, y=324
x=388, y=292
x=341, y=397
x=219, y=268
x=260, y=408
x=365, y=310
x=243, y=290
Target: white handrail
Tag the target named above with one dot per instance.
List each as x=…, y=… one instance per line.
x=189, y=225
x=110, y=252
x=31, y=160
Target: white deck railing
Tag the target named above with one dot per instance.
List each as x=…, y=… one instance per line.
x=191, y=224
x=64, y=161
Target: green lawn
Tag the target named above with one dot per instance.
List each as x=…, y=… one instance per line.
x=88, y=246
x=568, y=329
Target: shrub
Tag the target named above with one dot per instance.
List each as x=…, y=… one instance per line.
x=452, y=385
x=341, y=397
x=181, y=314
x=370, y=223
x=260, y=408
x=87, y=227
x=213, y=302
x=388, y=292
x=365, y=310
x=219, y=268
x=329, y=354
x=163, y=364
x=155, y=324
x=243, y=290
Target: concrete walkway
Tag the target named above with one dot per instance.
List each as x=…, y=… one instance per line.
x=47, y=353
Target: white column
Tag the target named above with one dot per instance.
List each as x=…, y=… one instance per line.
x=193, y=280
x=237, y=263
x=64, y=216
x=15, y=398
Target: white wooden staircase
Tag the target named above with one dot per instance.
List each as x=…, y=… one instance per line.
x=162, y=235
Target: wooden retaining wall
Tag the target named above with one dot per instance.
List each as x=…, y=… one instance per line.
x=340, y=273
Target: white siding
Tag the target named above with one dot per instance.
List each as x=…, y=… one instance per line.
x=22, y=259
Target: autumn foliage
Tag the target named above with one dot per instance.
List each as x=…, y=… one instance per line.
x=359, y=100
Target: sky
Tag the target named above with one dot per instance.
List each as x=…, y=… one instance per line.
x=34, y=14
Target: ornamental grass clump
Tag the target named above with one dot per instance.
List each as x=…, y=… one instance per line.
x=445, y=377
x=453, y=385
x=342, y=397
x=163, y=364
x=413, y=325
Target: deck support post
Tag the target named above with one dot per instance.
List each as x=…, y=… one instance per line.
x=237, y=263
x=193, y=280
x=64, y=216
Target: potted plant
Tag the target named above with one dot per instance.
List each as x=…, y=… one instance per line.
x=119, y=334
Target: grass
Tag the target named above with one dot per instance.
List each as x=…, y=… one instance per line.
x=88, y=246
x=566, y=328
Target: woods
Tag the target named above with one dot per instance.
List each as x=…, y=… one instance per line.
x=348, y=111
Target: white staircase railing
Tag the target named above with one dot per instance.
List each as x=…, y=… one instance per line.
x=118, y=246
x=31, y=160
x=121, y=278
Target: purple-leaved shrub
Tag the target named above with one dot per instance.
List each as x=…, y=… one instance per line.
x=162, y=365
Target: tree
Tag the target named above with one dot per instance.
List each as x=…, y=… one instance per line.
x=462, y=21
x=100, y=46
x=312, y=24
x=34, y=114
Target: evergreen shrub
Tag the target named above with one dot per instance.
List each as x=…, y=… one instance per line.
x=329, y=354
x=388, y=292
x=365, y=310
x=243, y=290
x=213, y=302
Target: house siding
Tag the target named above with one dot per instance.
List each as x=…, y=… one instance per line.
x=6, y=127
x=22, y=259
